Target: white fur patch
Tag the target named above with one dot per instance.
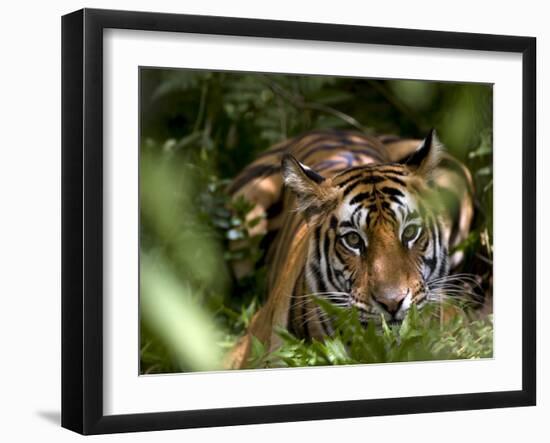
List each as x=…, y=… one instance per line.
x=405, y=305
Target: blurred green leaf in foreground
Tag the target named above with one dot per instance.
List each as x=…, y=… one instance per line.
x=171, y=311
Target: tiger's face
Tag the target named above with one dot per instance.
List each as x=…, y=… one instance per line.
x=376, y=240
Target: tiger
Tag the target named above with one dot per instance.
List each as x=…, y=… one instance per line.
x=364, y=221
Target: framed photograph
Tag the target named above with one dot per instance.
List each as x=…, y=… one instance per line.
x=269, y=221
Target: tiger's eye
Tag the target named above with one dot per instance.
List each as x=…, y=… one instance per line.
x=353, y=240
x=410, y=232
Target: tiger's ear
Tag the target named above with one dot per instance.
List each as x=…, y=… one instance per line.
x=426, y=157
x=314, y=194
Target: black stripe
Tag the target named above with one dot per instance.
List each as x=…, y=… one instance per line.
x=312, y=175
x=317, y=243
x=392, y=191
x=395, y=199
x=388, y=211
x=349, y=189
x=371, y=152
x=401, y=212
x=389, y=170
x=389, y=138
x=385, y=205
x=370, y=179
x=339, y=257
x=275, y=209
x=327, y=261
x=304, y=322
x=327, y=164
x=355, y=214
x=316, y=272
x=435, y=240
x=437, y=237
x=352, y=177
x=396, y=180
x=321, y=147
x=252, y=173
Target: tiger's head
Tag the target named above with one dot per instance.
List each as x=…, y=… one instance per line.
x=377, y=240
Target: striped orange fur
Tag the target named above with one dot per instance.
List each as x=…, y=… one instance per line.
x=362, y=221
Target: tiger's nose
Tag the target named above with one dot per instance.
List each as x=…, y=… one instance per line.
x=391, y=301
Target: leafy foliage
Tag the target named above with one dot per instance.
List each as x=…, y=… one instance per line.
x=417, y=338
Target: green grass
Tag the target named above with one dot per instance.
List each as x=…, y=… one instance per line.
x=420, y=337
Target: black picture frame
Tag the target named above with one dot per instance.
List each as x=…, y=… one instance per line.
x=82, y=220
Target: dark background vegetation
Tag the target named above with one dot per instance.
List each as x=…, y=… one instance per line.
x=199, y=129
